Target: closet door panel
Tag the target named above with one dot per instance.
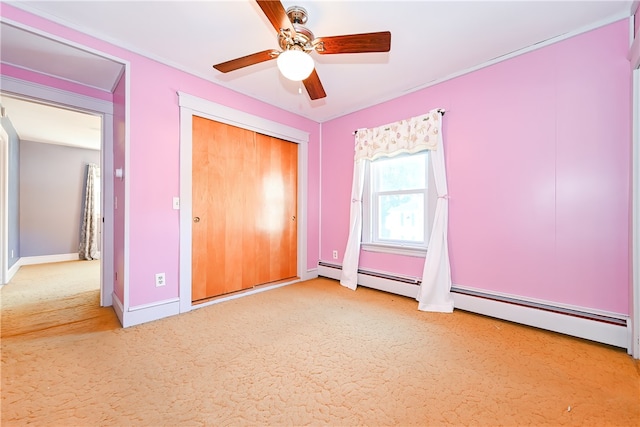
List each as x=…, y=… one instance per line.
x=223, y=197
x=276, y=225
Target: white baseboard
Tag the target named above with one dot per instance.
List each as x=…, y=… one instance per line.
x=590, y=329
x=118, y=307
x=614, y=332
x=144, y=313
x=379, y=283
x=13, y=270
x=107, y=299
x=310, y=274
x=149, y=312
x=44, y=259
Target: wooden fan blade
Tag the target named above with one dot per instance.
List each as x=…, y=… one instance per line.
x=245, y=61
x=277, y=15
x=313, y=86
x=354, y=43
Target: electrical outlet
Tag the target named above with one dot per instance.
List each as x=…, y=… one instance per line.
x=176, y=203
x=335, y=254
x=160, y=279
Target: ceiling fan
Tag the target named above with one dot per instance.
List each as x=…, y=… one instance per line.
x=297, y=42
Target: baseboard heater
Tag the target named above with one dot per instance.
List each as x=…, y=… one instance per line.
x=606, y=328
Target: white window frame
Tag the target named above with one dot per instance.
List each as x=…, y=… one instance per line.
x=369, y=218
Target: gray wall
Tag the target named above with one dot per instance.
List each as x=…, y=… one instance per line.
x=51, y=197
x=13, y=210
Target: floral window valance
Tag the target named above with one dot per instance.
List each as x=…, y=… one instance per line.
x=406, y=136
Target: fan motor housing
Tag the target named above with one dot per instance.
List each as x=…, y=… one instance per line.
x=303, y=37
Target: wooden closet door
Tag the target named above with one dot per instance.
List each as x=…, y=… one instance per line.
x=277, y=219
x=223, y=201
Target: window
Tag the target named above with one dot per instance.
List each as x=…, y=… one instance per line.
x=398, y=203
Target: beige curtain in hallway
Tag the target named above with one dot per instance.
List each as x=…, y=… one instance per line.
x=89, y=249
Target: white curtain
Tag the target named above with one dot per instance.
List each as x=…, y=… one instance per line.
x=90, y=226
x=435, y=289
x=406, y=136
x=351, y=257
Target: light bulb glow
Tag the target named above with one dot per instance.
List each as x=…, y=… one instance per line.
x=295, y=65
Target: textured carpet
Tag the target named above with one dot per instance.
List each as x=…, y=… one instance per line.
x=312, y=353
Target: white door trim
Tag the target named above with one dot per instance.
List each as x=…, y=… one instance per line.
x=634, y=345
x=193, y=106
x=4, y=205
x=54, y=96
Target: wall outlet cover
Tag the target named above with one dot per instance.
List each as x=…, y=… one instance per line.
x=160, y=279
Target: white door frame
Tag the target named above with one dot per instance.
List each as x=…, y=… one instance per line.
x=634, y=291
x=193, y=106
x=40, y=93
x=4, y=205
x=634, y=348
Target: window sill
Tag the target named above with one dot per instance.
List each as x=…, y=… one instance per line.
x=394, y=249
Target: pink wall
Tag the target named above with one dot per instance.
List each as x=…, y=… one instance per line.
x=22, y=74
x=153, y=174
x=154, y=170
x=537, y=151
x=537, y=156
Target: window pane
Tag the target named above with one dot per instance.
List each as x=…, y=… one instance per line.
x=401, y=217
x=405, y=172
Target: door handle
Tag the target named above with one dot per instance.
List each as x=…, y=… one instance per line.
x=293, y=218
x=196, y=219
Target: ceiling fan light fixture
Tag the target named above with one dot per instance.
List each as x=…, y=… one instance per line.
x=295, y=64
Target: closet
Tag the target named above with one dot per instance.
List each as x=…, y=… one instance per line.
x=244, y=204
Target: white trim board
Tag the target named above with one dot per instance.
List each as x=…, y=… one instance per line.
x=13, y=270
x=45, y=259
x=581, y=327
x=634, y=293
x=41, y=259
x=24, y=88
x=4, y=203
x=230, y=116
x=118, y=308
x=137, y=315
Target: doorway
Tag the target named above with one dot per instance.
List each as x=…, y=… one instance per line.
x=52, y=146
x=103, y=109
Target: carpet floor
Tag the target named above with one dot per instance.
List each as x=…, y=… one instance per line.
x=312, y=353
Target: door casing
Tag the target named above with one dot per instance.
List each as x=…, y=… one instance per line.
x=193, y=106
x=40, y=93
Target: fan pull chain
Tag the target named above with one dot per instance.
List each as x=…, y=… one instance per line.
x=300, y=88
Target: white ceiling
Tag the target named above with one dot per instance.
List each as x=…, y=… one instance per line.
x=53, y=125
x=430, y=42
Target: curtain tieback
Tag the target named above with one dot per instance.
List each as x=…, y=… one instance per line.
x=446, y=196
x=355, y=200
